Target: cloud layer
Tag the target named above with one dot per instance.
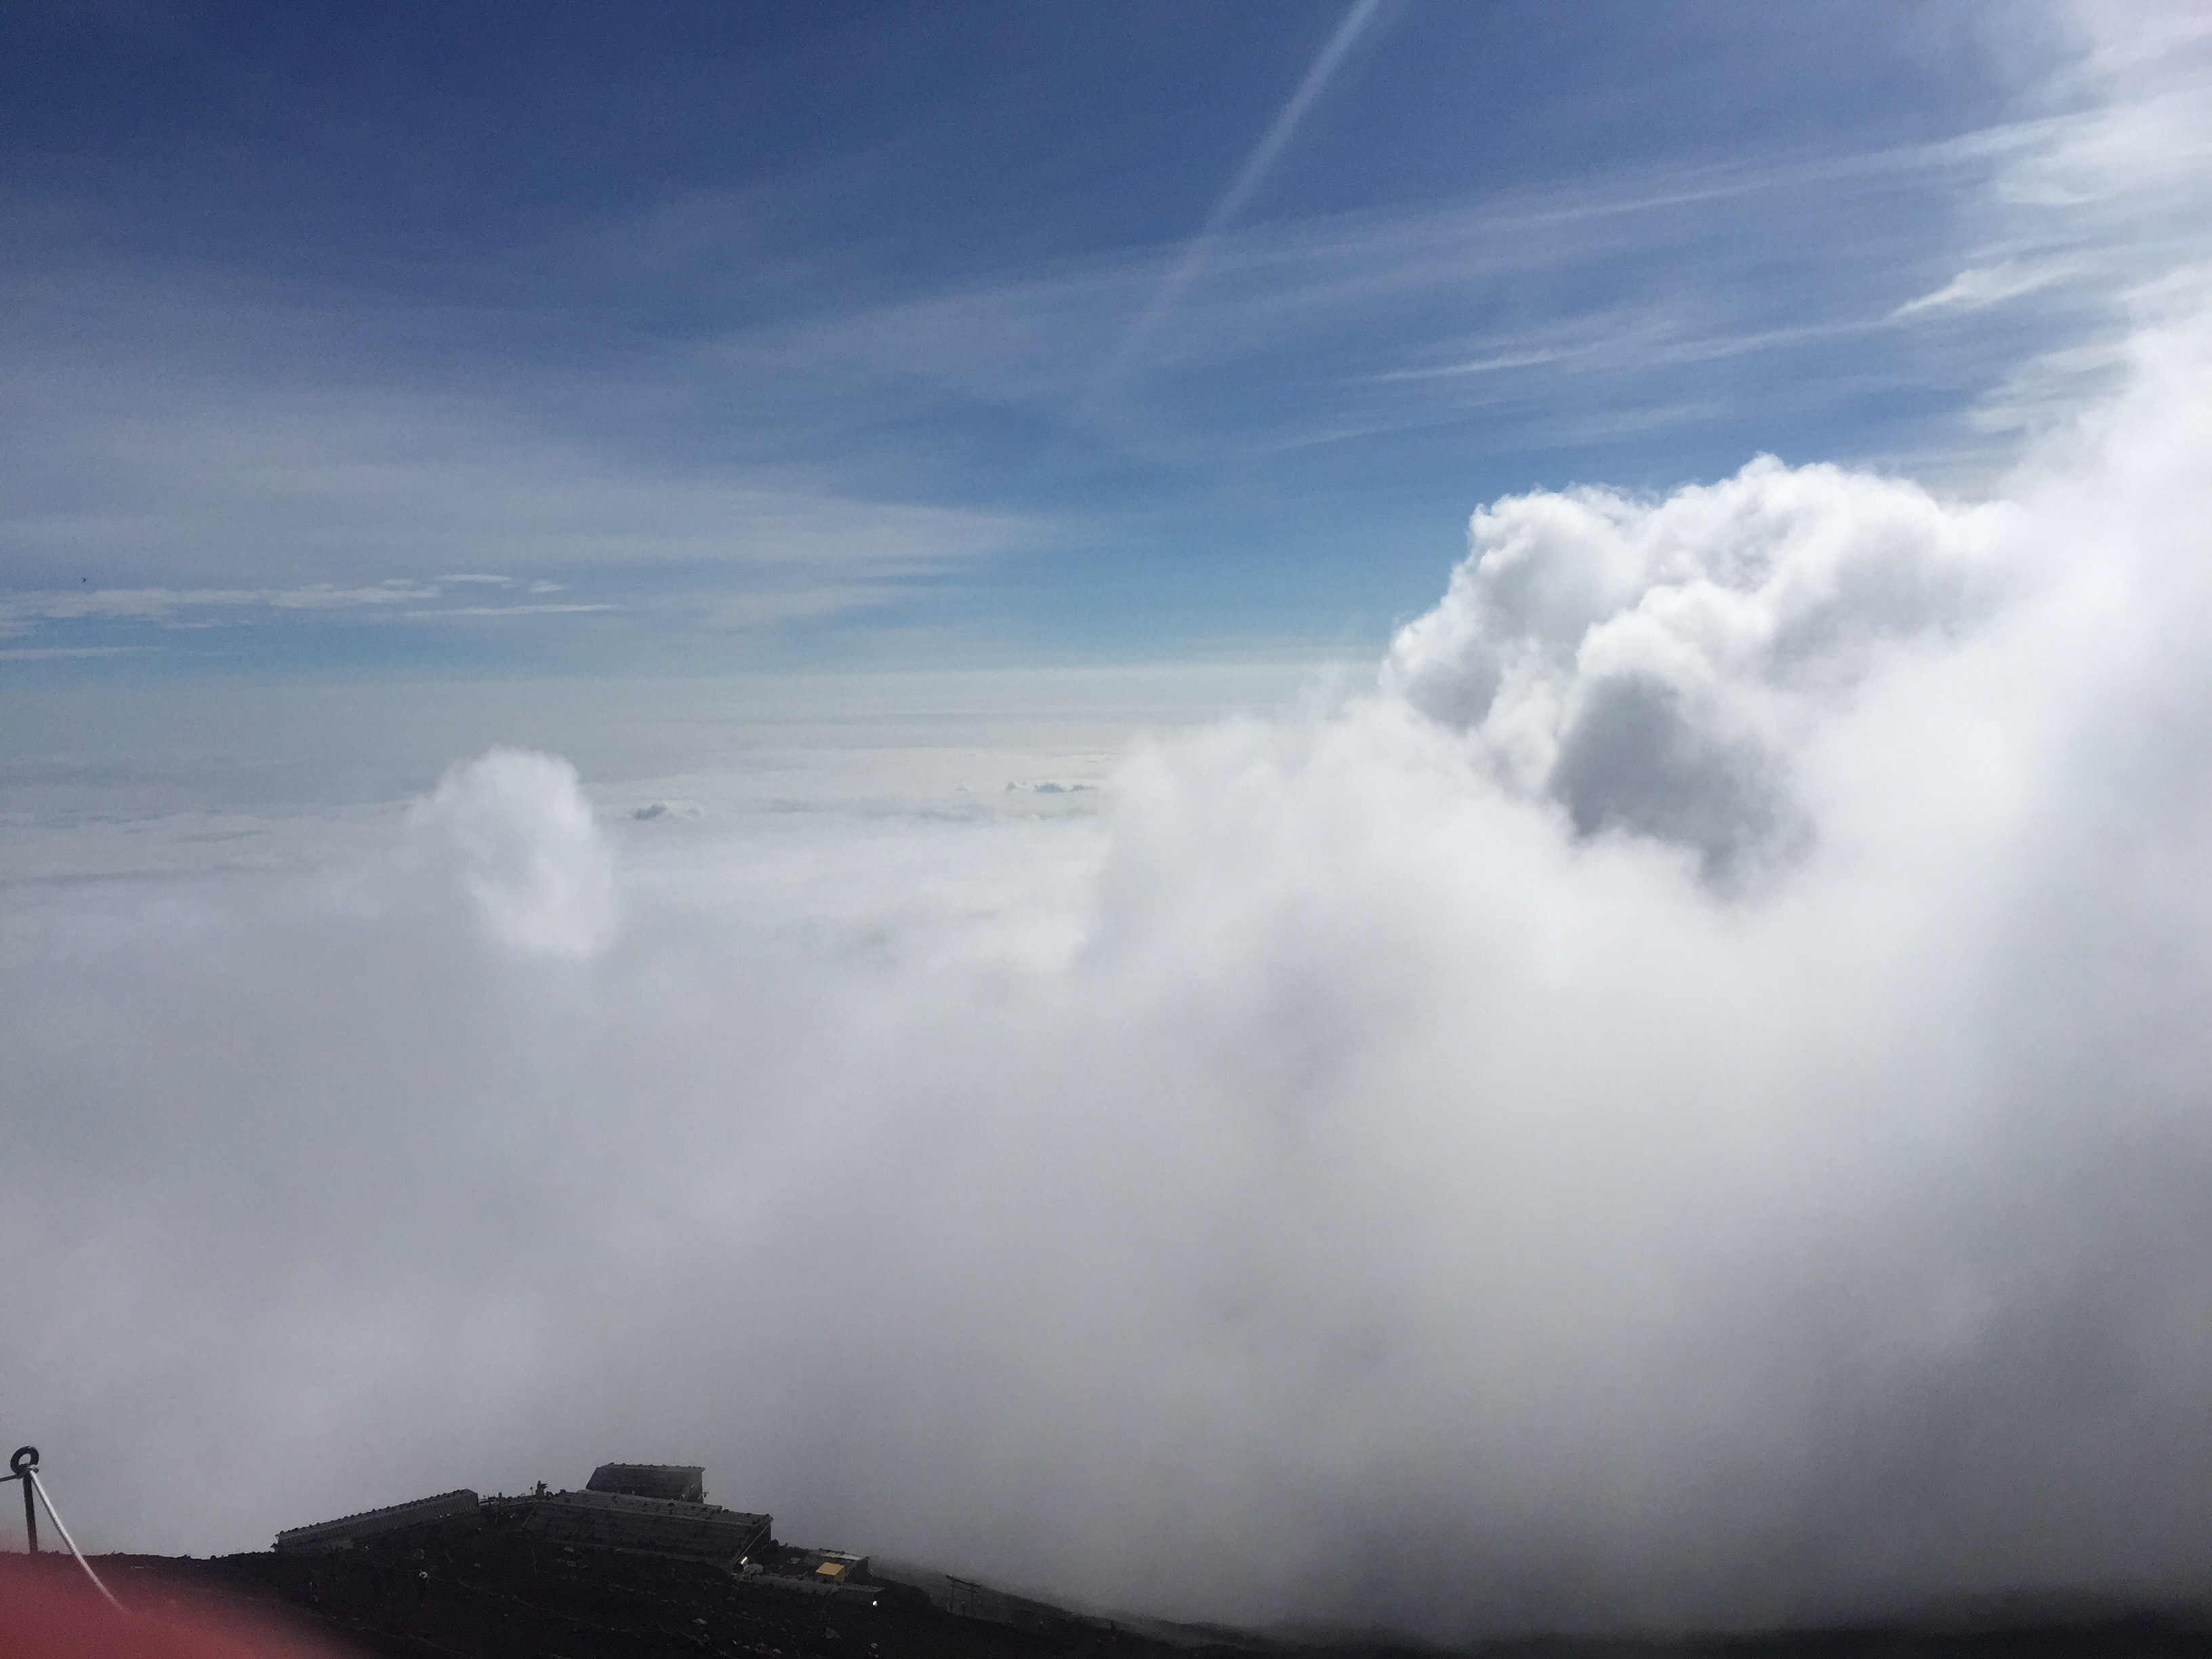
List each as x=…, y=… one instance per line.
x=1685, y=1105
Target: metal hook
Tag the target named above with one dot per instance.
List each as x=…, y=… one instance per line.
x=23, y=1466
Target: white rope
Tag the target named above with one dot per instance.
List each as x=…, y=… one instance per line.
x=39, y=1486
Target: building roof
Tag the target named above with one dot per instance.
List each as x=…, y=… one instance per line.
x=703, y=1532
x=421, y=1511
x=682, y=1482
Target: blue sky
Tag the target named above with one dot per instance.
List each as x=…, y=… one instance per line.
x=694, y=337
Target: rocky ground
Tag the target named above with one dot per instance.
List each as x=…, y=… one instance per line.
x=500, y=1595
x=495, y=1595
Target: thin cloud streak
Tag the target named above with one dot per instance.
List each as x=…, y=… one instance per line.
x=1361, y=293
x=1231, y=202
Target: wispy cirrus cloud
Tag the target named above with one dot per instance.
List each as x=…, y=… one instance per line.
x=1986, y=285
x=175, y=607
x=192, y=505
x=837, y=438
x=461, y=611
x=1627, y=285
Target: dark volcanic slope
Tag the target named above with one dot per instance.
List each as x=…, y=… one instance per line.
x=502, y=1596
x=499, y=1595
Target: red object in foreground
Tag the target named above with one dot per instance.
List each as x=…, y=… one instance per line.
x=48, y=1611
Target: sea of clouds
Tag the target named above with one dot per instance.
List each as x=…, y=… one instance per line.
x=1685, y=1102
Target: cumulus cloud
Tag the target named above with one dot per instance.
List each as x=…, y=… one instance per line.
x=1648, y=666
x=515, y=829
x=1682, y=1106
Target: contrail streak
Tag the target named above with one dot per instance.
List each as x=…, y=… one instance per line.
x=1233, y=199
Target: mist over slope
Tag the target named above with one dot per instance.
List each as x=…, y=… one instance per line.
x=1686, y=1104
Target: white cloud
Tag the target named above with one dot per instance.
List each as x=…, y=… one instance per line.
x=170, y=606
x=195, y=490
x=1332, y=1181
x=127, y=604
x=1971, y=290
x=57, y=653
x=1649, y=666
x=530, y=858
x=456, y=612
x=326, y=596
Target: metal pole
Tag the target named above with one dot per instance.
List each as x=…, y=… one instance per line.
x=19, y=1469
